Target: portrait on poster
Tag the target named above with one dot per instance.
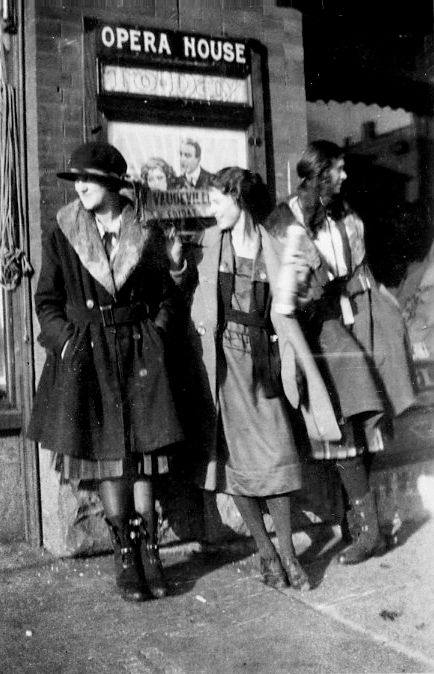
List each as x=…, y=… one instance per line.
x=175, y=163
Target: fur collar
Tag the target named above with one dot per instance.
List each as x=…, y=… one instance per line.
x=79, y=227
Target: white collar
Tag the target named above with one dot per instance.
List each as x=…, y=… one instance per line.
x=116, y=228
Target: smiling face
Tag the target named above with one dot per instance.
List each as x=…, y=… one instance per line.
x=224, y=208
x=337, y=175
x=93, y=195
x=157, y=179
x=188, y=159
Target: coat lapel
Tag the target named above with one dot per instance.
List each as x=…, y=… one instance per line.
x=131, y=244
x=79, y=227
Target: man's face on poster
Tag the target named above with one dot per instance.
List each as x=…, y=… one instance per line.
x=188, y=159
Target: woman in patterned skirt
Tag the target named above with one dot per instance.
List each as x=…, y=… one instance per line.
x=106, y=303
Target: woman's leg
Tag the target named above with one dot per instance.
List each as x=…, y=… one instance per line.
x=271, y=568
x=145, y=524
x=362, y=517
x=116, y=499
x=117, y=502
x=279, y=508
x=144, y=503
x=354, y=477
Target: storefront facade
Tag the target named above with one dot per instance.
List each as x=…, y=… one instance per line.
x=143, y=76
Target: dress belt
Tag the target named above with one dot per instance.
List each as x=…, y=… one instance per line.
x=250, y=318
x=108, y=315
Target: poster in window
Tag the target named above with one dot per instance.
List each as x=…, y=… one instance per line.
x=175, y=164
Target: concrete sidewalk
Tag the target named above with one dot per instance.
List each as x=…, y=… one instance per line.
x=63, y=615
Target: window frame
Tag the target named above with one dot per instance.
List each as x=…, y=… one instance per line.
x=255, y=120
x=10, y=408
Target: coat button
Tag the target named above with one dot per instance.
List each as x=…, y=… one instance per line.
x=143, y=372
x=223, y=267
x=200, y=330
x=90, y=304
x=263, y=276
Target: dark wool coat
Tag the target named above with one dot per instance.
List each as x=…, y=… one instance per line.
x=202, y=362
x=112, y=383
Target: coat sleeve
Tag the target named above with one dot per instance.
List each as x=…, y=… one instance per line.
x=170, y=306
x=186, y=278
x=50, y=297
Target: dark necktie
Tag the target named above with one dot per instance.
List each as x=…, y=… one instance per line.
x=108, y=240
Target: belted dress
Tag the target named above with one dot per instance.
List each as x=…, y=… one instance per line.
x=256, y=444
x=356, y=332
x=106, y=403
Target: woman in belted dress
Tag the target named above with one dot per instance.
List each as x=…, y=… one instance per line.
x=241, y=372
x=354, y=327
x=106, y=306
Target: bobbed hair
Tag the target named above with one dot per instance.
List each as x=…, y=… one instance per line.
x=247, y=189
x=158, y=162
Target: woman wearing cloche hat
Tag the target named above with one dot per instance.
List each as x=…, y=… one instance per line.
x=106, y=305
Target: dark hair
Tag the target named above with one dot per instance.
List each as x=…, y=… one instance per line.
x=318, y=158
x=248, y=190
x=315, y=187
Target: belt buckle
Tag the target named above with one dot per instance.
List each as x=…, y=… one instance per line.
x=107, y=315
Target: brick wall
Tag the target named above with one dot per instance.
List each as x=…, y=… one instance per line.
x=59, y=71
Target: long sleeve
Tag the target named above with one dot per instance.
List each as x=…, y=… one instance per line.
x=50, y=297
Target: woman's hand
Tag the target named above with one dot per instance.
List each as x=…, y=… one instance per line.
x=298, y=260
x=174, y=249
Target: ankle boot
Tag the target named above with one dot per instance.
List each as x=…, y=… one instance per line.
x=129, y=576
x=367, y=539
x=272, y=572
x=150, y=557
x=297, y=577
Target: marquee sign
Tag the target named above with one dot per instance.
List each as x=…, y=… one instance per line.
x=195, y=86
x=148, y=45
x=178, y=204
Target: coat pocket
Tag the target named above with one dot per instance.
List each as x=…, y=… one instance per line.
x=78, y=349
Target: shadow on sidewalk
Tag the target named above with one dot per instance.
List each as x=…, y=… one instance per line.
x=325, y=547
x=183, y=575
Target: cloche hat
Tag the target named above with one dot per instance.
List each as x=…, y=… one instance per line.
x=100, y=160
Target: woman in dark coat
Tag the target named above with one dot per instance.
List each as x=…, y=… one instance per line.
x=353, y=326
x=106, y=303
x=241, y=372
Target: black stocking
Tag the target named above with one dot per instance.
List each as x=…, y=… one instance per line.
x=280, y=510
x=116, y=499
x=354, y=477
x=250, y=510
